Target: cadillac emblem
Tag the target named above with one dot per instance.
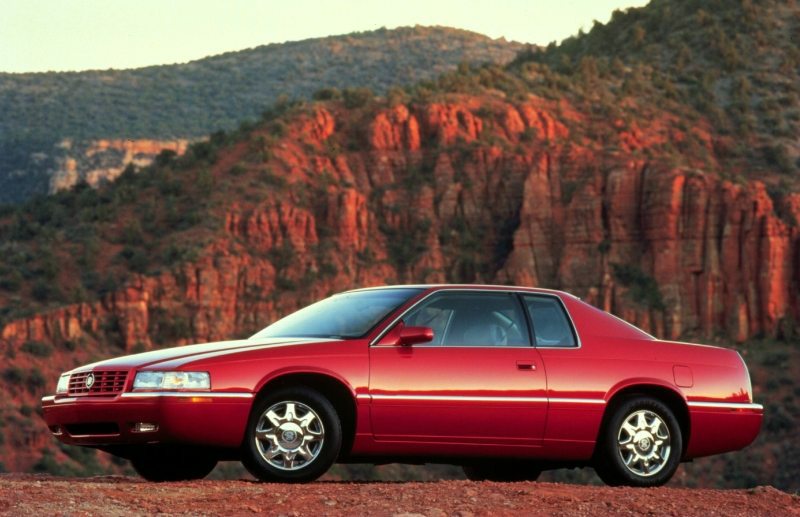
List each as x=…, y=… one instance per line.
x=89, y=380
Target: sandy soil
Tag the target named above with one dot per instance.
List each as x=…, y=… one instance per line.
x=39, y=495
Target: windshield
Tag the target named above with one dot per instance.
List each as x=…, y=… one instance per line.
x=345, y=315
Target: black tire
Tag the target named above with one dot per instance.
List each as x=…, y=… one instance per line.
x=503, y=471
x=646, y=466
x=281, y=468
x=167, y=464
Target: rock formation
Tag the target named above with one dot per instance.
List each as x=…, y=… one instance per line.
x=99, y=161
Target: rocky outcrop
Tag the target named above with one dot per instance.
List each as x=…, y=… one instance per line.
x=99, y=161
x=395, y=129
x=721, y=258
x=473, y=190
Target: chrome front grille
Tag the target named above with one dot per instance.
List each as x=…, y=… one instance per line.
x=104, y=382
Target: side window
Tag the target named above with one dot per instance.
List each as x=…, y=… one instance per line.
x=550, y=324
x=471, y=319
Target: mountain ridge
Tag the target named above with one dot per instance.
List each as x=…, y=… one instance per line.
x=191, y=100
x=280, y=44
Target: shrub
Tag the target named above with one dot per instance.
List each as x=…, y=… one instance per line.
x=278, y=129
x=642, y=288
x=12, y=281
x=112, y=329
x=406, y=245
x=168, y=328
x=272, y=179
x=638, y=35
x=204, y=151
x=168, y=184
x=14, y=375
x=237, y=170
x=135, y=258
x=48, y=464
x=396, y=96
x=778, y=156
x=282, y=256
x=778, y=420
x=328, y=269
x=204, y=182
x=132, y=234
x=776, y=358
x=165, y=158
x=44, y=291
x=356, y=97
x=327, y=94
x=35, y=380
x=283, y=283
x=175, y=253
x=37, y=349
x=568, y=190
x=84, y=456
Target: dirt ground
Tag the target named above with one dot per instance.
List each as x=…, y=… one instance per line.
x=22, y=495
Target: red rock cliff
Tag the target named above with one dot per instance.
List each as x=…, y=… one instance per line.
x=478, y=190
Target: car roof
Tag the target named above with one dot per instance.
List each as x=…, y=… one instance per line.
x=491, y=287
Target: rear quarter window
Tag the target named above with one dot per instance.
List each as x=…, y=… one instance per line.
x=551, y=325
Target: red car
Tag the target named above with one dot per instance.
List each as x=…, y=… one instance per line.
x=506, y=381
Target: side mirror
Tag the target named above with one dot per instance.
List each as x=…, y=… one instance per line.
x=413, y=335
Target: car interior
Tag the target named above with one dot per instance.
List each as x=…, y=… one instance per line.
x=471, y=320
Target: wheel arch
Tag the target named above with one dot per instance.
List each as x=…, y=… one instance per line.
x=663, y=393
x=340, y=395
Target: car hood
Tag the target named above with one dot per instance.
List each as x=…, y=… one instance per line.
x=183, y=352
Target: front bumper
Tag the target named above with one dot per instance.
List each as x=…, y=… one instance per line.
x=207, y=419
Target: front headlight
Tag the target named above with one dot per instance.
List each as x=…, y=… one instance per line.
x=169, y=381
x=63, y=383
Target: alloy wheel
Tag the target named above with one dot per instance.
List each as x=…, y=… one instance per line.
x=644, y=443
x=289, y=435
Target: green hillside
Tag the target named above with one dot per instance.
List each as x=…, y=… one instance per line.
x=736, y=61
x=219, y=92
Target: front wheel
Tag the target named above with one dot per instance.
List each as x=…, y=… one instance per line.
x=641, y=444
x=294, y=435
x=173, y=464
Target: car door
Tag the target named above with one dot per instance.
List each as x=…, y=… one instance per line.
x=478, y=382
x=576, y=406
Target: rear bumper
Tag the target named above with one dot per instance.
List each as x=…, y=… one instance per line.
x=717, y=427
x=208, y=419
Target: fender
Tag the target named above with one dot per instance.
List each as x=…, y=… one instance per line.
x=643, y=381
x=293, y=370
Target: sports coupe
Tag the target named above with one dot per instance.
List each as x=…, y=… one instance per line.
x=505, y=381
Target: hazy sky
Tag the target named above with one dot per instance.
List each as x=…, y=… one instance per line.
x=41, y=35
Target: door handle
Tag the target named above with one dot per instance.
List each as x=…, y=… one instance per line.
x=526, y=365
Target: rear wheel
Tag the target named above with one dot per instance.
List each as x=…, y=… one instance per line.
x=502, y=471
x=173, y=464
x=641, y=444
x=294, y=435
